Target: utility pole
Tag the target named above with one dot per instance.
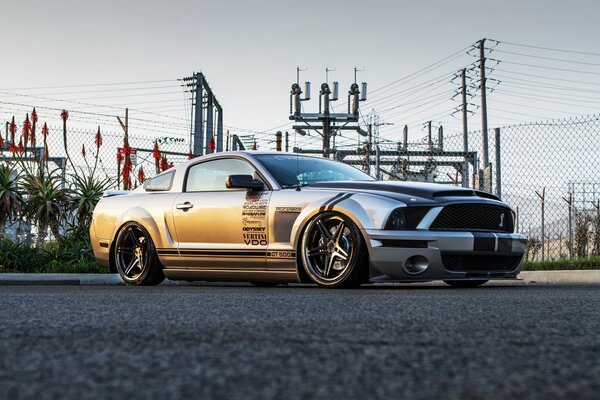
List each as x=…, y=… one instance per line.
x=543, y=199
x=463, y=91
x=484, y=124
x=125, y=127
x=570, y=204
x=326, y=119
x=203, y=133
x=287, y=142
x=429, y=140
x=278, y=141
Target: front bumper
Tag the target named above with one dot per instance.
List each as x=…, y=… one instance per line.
x=450, y=255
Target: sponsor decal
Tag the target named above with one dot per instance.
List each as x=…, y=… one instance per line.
x=289, y=209
x=255, y=205
x=255, y=239
x=254, y=228
x=281, y=254
x=248, y=221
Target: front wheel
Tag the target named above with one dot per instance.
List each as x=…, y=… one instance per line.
x=466, y=283
x=135, y=256
x=334, y=253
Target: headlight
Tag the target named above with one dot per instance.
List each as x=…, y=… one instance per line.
x=396, y=220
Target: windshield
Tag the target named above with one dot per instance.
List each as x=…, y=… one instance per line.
x=292, y=170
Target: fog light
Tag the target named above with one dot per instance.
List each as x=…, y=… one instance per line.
x=415, y=265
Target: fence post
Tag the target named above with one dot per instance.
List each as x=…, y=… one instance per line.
x=543, y=199
x=570, y=204
x=498, y=169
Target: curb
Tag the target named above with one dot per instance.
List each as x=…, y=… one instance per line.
x=527, y=277
x=550, y=277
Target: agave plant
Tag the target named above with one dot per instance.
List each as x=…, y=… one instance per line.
x=11, y=199
x=85, y=194
x=46, y=201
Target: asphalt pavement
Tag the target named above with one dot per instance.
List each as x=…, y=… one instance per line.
x=241, y=342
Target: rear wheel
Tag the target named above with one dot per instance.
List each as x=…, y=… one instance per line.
x=135, y=256
x=333, y=252
x=465, y=283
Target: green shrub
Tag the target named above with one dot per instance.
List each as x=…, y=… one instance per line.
x=74, y=256
x=563, y=264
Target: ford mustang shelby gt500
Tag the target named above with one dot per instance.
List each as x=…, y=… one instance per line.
x=269, y=218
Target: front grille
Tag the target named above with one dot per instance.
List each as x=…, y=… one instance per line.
x=479, y=263
x=474, y=217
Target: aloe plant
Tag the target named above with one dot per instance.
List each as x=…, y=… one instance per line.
x=46, y=201
x=11, y=198
x=85, y=194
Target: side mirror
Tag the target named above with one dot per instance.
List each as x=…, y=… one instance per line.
x=243, y=182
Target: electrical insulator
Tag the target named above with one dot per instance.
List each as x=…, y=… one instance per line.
x=336, y=91
x=363, y=92
x=307, y=90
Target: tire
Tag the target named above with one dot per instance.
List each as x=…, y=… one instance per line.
x=465, y=283
x=266, y=284
x=135, y=256
x=333, y=252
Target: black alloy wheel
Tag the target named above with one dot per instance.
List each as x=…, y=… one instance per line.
x=135, y=256
x=333, y=252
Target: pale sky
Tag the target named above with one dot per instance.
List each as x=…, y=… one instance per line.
x=249, y=50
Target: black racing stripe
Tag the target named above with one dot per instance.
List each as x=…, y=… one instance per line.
x=484, y=242
x=224, y=253
x=324, y=206
x=344, y=197
x=167, y=252
x=504, y=245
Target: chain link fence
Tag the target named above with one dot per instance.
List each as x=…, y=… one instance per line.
x=549, y=172
x=104, y=158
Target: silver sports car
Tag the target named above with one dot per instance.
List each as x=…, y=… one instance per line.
x=272, y=217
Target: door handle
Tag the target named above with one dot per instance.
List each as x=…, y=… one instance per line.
x=184, y=206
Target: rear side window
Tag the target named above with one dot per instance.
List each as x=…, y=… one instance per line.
x=210, y=176
x=160, y=183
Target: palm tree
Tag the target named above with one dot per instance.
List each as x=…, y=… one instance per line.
x=11, y=199
x=86, y=192
x=46, y=201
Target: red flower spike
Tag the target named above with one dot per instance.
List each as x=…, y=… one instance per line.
x=12, y=148
x=13, y=129
x=98, y=139
x=155, y=152
x=119, y=157
x=164, y=165
x=45, y=130
x=20, y=146
x=26, y=127
x=34, y=117
x=64, y=114
x=83, y=153
x=211, y=144
x=190, y=155
x=1, y=142
x=141, y=175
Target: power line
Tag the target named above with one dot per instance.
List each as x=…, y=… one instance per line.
x=427, y=69
x=549, y=48
x=538, y=76
x=545, y=67
x=546, y=58
x=91, y=84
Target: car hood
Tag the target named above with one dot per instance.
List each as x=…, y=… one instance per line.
x=404, y=191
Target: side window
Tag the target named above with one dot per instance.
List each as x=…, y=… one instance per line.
x=159, y=183
x=211, y=175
